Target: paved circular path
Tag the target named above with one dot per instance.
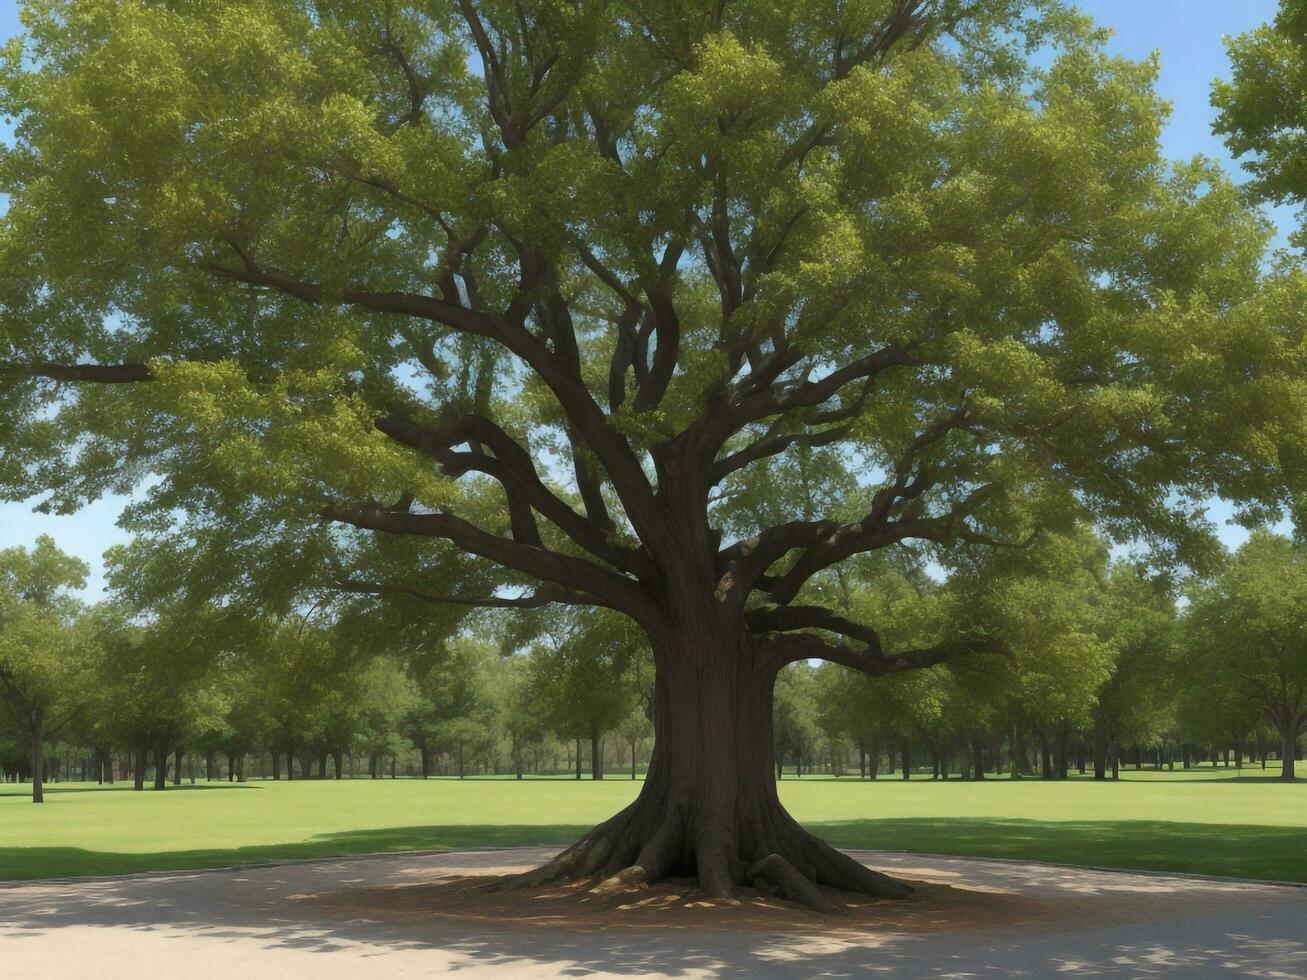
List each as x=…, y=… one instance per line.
x=240, y=925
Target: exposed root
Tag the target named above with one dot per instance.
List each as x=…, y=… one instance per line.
x=660, y=852
x=626, y=881
x=836, y=869
x=792, y=884
x=638, y=848
x=582, y=860
x=717, y=864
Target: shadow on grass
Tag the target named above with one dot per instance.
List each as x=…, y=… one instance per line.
x=1235, y=850
x=26, y=863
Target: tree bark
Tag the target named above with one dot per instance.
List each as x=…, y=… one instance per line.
x=708, y=807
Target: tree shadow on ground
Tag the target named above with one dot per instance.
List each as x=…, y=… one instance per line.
x=1232, y=850
x=1232, y=930
x=28, y=863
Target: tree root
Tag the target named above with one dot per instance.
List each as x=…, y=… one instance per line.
x=792, y=884
x=632, y=879
x=603, y=850
x=837, y=870
x=630, y=850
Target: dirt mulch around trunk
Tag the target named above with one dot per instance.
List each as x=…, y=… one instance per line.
x=576, y=907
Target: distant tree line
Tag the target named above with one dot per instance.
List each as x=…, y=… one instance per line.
x=1102, y=665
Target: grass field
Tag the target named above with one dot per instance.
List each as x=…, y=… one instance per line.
x=1205, y=821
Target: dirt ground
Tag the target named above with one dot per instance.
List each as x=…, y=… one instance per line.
x=424, y=915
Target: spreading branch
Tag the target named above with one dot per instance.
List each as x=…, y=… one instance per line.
x=569, y=571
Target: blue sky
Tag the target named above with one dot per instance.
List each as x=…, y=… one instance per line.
x=1187, y=33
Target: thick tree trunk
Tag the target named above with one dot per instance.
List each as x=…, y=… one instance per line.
x=708, y=807
x=177, y=766
x=138, y=771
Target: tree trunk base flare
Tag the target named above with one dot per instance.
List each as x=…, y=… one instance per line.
x=812, y=875
x=663, y=835
x=629, y=850
x=708, y=809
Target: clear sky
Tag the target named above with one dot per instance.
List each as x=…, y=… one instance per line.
x=1187, y=33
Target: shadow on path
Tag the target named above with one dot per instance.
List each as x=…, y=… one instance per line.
x=1159, y=927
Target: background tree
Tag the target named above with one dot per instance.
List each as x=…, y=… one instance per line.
x=795, y=727
x=581, y=673
x=561, y=293
x=635, y=730
x=386, y=695
x=44, y=658
x=1248, y=629
x=154, y=674
x=1139, y=617
x=847, y=710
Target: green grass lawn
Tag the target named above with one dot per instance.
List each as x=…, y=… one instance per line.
x=1204, y=821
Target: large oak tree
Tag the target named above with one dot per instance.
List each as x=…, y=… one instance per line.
x=665, y=306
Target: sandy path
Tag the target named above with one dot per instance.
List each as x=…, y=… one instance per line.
x=242, y=925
